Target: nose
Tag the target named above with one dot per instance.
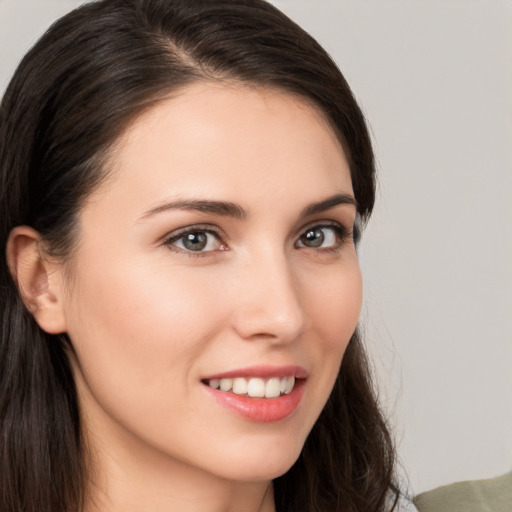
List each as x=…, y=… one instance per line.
x=268, y=300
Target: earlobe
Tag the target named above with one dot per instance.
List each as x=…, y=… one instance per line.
x=38, y=279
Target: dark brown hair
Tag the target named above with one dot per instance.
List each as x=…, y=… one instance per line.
x=72, y=96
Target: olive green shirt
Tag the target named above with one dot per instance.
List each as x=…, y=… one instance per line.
x=492, y=495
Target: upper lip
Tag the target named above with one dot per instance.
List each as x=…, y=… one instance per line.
x=263, y=372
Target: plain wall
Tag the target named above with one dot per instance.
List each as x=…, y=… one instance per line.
x=434, y=78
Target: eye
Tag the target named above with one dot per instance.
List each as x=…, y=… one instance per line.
x=322, y=237
x=196, y=240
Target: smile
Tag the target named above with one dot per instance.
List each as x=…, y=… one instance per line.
x=259, y=393
x=254, y=387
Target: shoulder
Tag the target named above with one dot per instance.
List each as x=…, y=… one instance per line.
x=491, y=495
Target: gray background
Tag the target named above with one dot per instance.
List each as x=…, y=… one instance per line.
x=434, y=78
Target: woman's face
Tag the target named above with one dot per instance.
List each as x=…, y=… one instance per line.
x=219, y=254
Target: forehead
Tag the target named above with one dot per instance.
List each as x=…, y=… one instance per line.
x=232, y=140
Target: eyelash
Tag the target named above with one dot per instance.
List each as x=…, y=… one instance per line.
x=342, y=234
x=181, y=234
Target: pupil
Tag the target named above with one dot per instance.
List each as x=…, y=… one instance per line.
x=195, y=241
x=314, y=238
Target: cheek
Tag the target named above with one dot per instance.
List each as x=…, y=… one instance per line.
x=137, y=353
x=335, y=307
x=141, y=328
x=131, y=303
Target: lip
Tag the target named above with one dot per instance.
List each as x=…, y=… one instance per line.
x=263, y=372
x=263, y=410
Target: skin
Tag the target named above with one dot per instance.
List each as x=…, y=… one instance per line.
x=149, y=319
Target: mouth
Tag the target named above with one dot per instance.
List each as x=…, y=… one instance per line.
x=260, y=393
x=254, y=387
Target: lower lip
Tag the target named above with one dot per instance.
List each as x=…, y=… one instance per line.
x=263, y=410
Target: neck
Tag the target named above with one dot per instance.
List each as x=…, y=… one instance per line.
x=126, y=476
x=132, y=495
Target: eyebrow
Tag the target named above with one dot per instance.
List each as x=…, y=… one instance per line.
x=327, y=204
x=227, y=209
x=222, y=208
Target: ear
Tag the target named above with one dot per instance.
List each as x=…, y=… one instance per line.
x=38, y=280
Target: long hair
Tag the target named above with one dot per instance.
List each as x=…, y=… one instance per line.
x=92, y=73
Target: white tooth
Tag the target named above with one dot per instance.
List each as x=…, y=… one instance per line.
x=272, y=388
x=256, y=388
x=239, y=386
x=214, y=383
x=226, y=384
x=282, y=386
x=290, y=382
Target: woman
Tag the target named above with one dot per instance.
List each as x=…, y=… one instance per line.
x=182, y=188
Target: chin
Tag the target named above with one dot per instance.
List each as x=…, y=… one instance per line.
x=265, y=465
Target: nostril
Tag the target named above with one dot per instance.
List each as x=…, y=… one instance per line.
x=265, y=327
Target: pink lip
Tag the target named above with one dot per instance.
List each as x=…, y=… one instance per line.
x=264, y=410
x=263, y=372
